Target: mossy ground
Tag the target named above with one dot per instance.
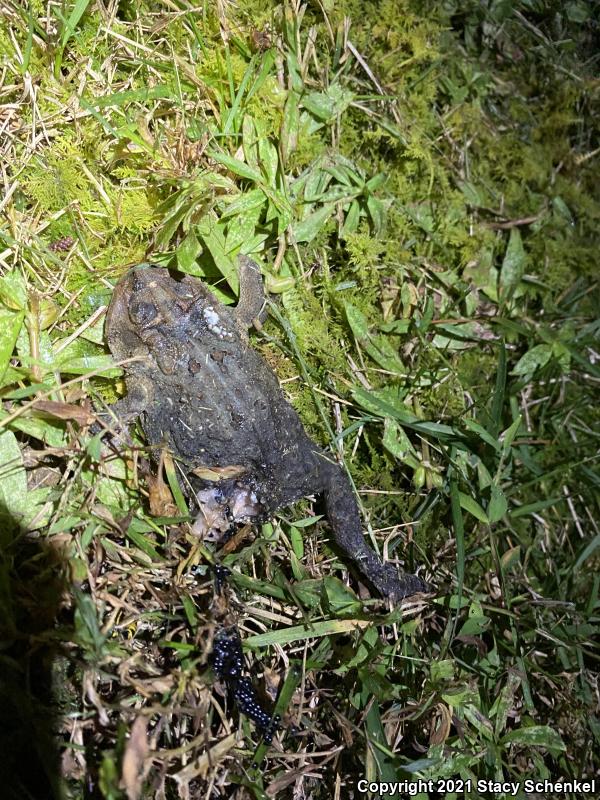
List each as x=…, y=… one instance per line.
x=419, y=183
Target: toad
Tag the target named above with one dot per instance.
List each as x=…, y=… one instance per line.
x=202, y=391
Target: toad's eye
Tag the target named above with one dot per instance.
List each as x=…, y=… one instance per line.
x=142, y=312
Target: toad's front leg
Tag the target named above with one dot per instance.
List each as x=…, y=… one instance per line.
x=344, y=518
x=128, y=408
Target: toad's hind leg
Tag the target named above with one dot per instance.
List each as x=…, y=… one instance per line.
x=346, y=527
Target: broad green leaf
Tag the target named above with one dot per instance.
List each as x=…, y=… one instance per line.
x=587, y=551
x=326, y=106
x=188, y=251
x=247, y=201
x=505, y=702
x=378, y=347
x=13, y=486
x=474, y=626
x=135, y=95
x=237, y=167
x=297, y=542
x=474, y=195
x=310, y=226
x=473, y=507
x=352, y=219
x=471, y=425
x=533, y=359
x=509, y=434
x=10, y=327
x=269, y=160
x=241, y=229
x=290, y=125
x=533, y=508
x=510, y=557
x=139, y=540
x=397, y=443
x=441, y=670
x=300, y=633
x=212, y=234
x=339, y=599
x=79, y=366
x=377, y=213
x=479, y=721
x=45, y=431
x=374, y=403
x=498, y=505
x=536, y=735
x=13, y=292
x=513, y=265
x=315, y=184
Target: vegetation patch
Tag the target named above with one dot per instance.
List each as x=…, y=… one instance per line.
x=418, y=182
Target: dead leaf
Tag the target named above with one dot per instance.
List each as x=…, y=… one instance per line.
x=441, y=724
x=219, y=473
x=200, y=766
x=160, y=497
x=238, y=538
x=66, y=411
x=136, y=752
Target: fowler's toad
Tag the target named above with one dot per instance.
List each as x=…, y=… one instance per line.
x=202, y=391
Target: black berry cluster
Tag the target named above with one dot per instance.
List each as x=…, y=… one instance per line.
x=228, y=664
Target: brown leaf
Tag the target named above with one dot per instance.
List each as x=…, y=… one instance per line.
x=441, y=725
x=64, y=411
x=207, y=760
x=136, y=752
x=160, y=497
x=219, y=473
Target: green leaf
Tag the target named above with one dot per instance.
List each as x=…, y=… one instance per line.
x=306, y=229
x=300, y=633
x=144, y=544
x=587, y=551
x=505, y=702
x=247, y=201
x=509, y=434
x=326, y=106
x=87, y=629
x=513, y=265
x=290, y=126
x=382, y=406
x=397, y=442
x=352, y=219
x=474, y=626
x=269, y=160
x=213, y=236
x=13, y=292
x=471, y=425
x=474, y=195
x=536, y=735
x=339, y=599
x=533, y=359
x=377, y=213
x=498, y=505
x=13, y=486
x=237, y=167
x=70, y=26
x=10, y=327
x=473, y=507
x=188, y=251
x=378, y=347
x=297, y=542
